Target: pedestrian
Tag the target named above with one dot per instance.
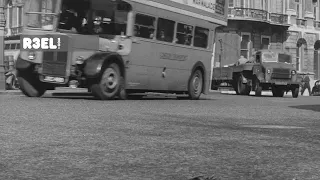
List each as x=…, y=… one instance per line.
x=306, y=84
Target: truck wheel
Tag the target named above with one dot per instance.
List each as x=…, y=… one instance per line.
x=295, y=92
x=195, y=85
x=109, y=85
x=30, y=85
x=277, y=91
x=257, y=87
x=242, y=89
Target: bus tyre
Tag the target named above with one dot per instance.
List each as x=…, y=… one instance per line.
x=295, y=92
x=30, y=85
x=195, y=85
x=109, y=84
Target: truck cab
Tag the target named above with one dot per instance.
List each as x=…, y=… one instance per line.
x=272, y=70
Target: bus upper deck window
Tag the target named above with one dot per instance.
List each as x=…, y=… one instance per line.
x=7, y=46
x=18, y=46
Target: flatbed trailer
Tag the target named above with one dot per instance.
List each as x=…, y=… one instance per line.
x=269, y=70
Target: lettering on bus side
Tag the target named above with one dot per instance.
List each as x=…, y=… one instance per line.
x=175, y=57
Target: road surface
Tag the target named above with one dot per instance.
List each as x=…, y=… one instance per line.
x=229, y=136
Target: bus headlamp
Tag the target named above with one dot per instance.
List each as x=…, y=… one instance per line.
x=32, y=55
x=293, y=72
x=268, y=71
x=80, y=60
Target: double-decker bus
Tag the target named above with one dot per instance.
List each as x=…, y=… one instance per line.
x=120, y=47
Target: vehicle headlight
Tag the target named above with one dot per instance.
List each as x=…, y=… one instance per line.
x=32, y=55
x=293, y=72
x=268, y=71
x=79, y=60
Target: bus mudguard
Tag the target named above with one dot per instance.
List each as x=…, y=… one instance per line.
x=22, y=64
x=95, y=64
x=200, y=65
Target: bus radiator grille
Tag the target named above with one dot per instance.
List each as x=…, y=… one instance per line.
x=55, y=63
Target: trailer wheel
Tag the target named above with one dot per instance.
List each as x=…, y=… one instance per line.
x=30, y=85
x=277, y=91
x=257, y=87
x=109, y=85
x=195, y=85
x=295, y=92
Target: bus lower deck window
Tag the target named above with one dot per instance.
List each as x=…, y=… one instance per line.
x=144, y=26
x=201, y=36
x=165, y=30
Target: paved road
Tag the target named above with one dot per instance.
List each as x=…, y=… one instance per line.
x=229, y=136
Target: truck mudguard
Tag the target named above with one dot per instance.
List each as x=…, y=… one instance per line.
x=94, y=64
x=258, y=72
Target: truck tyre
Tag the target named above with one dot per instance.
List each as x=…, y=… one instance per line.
x=108, y=86
x=195, y=85
x=257, y=87
x=242, y=89
x=277, y=91
x=30, y=85
x=295, y=92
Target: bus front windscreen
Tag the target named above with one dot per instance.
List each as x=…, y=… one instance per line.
x=42, y=14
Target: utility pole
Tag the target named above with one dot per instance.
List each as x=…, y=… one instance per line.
x=2, y=26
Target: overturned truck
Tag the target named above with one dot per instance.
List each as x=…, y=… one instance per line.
x=267, y=70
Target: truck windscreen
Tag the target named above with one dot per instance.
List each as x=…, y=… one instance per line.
x=285, y=58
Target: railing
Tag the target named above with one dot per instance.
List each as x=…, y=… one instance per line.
x=254, y=14
x=257, y=15
x=276, y=18
x=301, y=22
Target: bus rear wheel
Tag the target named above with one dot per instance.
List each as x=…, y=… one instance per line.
x=30, y=85
x=195, y=85
x=109, y=84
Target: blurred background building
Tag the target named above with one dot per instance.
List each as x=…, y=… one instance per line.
x=14, y=18
x=292, y=25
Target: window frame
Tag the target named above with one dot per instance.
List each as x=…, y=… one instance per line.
x=174, y=30
x=192, y=33
x=248, y=45
x=265, y=37
x=208, y=38
x=155, y=25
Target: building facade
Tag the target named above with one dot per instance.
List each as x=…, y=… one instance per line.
x=290, y=25
x=14, y=13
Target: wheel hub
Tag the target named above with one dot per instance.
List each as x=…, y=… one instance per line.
x=110, y=79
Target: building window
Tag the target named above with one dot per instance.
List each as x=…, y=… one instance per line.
x=20, y=16
x=231, y=3
x=244, y=46
x=265, y=42
x=242, y=3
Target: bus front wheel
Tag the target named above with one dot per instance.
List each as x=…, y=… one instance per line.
x=109, y=85
x=30, y=85
x=195, y=85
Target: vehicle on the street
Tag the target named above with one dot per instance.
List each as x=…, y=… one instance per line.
x=316, y=88
x=11, y=53
x=267, y=70
x=120, y=47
